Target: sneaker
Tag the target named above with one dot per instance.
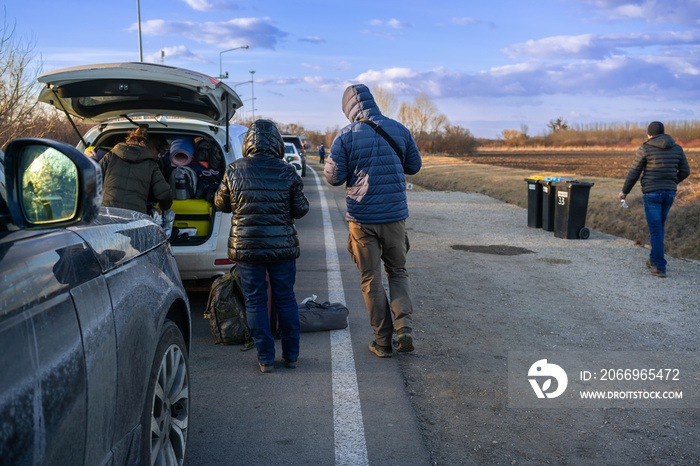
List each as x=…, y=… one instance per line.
x=658, y=272
x=290, y=363
x=405, y=337
x=381, y=351
x=266, y=367
x=651, y=264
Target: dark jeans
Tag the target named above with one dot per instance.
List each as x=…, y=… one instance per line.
x=656, y=207
x=282, y=276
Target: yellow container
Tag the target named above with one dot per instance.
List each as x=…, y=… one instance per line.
x=193, y=213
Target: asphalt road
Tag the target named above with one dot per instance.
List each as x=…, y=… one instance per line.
x=489, y=293
x=342, y=405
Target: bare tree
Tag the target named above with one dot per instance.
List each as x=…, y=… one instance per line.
x=385, y=101
x=19, y=112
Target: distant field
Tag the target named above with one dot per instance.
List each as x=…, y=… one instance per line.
x=501, y=176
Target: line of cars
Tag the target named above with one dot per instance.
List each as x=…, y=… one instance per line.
x=94, y=319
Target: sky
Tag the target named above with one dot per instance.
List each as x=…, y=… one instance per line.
x=487, y=66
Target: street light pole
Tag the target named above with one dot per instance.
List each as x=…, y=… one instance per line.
x=252, y=88
x=221, y=73
x=138, y=17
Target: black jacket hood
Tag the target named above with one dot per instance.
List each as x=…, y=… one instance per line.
x=263, y=139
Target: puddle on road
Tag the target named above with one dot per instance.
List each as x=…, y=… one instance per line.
x=496, y=249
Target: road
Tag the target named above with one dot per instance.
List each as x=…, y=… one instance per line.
x=342, y=405
x=488, y=292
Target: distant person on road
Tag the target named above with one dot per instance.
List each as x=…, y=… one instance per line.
x=662, y=165
x=131, y=175
x=321, y=153
x=265, y=195
x=374, y=174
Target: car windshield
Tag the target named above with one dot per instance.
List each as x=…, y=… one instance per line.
x=288, y=149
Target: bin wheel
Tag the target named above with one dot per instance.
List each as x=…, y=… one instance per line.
x=584, y=233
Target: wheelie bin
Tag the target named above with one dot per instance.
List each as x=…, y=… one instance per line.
x=534, y=202
x=549, y=201
x=570, y=209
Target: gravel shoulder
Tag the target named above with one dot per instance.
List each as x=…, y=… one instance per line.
x=474, y=303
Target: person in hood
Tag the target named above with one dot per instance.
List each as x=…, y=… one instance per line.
x=131, y=175
x=662, y=165
x=265, y=195
x=374, y=175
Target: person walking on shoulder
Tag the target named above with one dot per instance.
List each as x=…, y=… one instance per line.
x=662, y=165
x=265, y=195
x=321, y=154
x=374, y=174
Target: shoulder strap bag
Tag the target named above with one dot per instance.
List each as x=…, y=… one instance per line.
x=386, y=137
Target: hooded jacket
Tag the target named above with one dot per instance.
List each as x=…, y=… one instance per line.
x=663, y=162
x=131, y=175
x=265, y=195
x=363, y=160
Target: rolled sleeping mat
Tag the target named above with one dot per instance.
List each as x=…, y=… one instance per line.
x=181, y=150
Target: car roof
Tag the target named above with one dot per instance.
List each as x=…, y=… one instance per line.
x=101, y=92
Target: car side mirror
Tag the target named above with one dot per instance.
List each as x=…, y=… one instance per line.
x=50, y=183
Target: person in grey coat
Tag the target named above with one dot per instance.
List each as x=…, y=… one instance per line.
x=662, y=165
x=374, y=175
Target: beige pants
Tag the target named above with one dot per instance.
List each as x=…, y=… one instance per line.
x=370, y=244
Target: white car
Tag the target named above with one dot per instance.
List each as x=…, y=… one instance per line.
x=292, y=157
x=173, y=103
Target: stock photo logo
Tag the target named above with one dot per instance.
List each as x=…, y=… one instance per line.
x=540, y=377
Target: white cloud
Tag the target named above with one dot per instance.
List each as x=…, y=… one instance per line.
x=312, y=39
x=466, y=21
x=651, y=11
x=392, y=23
x=205, y=5
x=178, y=53
x=255, y=32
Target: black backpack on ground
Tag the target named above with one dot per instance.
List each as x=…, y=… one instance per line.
x=226, y=311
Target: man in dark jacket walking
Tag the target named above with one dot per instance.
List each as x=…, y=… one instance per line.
x=374, y=175
x=662, y=165
x=265, y=195
x=131, y=175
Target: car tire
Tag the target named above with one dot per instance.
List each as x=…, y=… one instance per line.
x=303, y=170
x=166, y=413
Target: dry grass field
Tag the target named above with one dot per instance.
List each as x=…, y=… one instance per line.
x=501, y=175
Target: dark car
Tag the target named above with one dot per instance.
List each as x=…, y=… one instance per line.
x=94, y=321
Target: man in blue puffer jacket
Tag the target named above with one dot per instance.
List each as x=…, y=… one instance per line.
x=374, y=175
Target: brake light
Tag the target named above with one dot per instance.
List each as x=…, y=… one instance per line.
x=223, y=262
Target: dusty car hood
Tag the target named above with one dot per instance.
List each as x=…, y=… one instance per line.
x=97, y=93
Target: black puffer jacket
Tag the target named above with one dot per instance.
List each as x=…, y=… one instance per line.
x=663, y=162
x=265, y=195
x=130, y=175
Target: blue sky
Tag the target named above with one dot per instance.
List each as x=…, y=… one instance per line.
x=488, y=66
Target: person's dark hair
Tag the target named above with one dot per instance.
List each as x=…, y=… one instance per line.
x=655, y=128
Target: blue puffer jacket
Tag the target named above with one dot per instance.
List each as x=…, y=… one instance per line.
x=361, y=158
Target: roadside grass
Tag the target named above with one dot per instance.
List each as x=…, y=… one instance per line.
x=604, y=213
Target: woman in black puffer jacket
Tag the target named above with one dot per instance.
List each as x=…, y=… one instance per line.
x=265, y=195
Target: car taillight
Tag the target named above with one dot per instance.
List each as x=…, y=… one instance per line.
x=223, y=262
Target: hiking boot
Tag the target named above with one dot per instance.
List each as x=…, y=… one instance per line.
x=381, y=351
x=651, y=264
x=266, y=367
x=658, y=272
x=290, y=363
x=405, y=337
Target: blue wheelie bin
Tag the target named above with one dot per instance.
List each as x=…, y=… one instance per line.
x=549, y=200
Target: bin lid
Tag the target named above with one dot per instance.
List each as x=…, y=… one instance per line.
x=534, y=178
x=557, y=178
x=572, y=183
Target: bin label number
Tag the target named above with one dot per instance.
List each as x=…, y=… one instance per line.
x=532, y=186
x=561, y=197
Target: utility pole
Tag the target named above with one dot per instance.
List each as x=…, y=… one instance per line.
x=252, y=88
x=138, y=17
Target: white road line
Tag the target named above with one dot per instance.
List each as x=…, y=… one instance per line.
x=348, y=426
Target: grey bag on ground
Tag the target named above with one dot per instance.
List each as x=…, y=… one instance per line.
x=316, y=317
x=226, y=311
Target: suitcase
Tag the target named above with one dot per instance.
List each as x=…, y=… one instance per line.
x=193, y=213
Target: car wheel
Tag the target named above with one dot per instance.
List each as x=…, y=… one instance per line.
x=303, y=170
x=167, y=409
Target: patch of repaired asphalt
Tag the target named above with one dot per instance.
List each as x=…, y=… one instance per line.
x=496, y=249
